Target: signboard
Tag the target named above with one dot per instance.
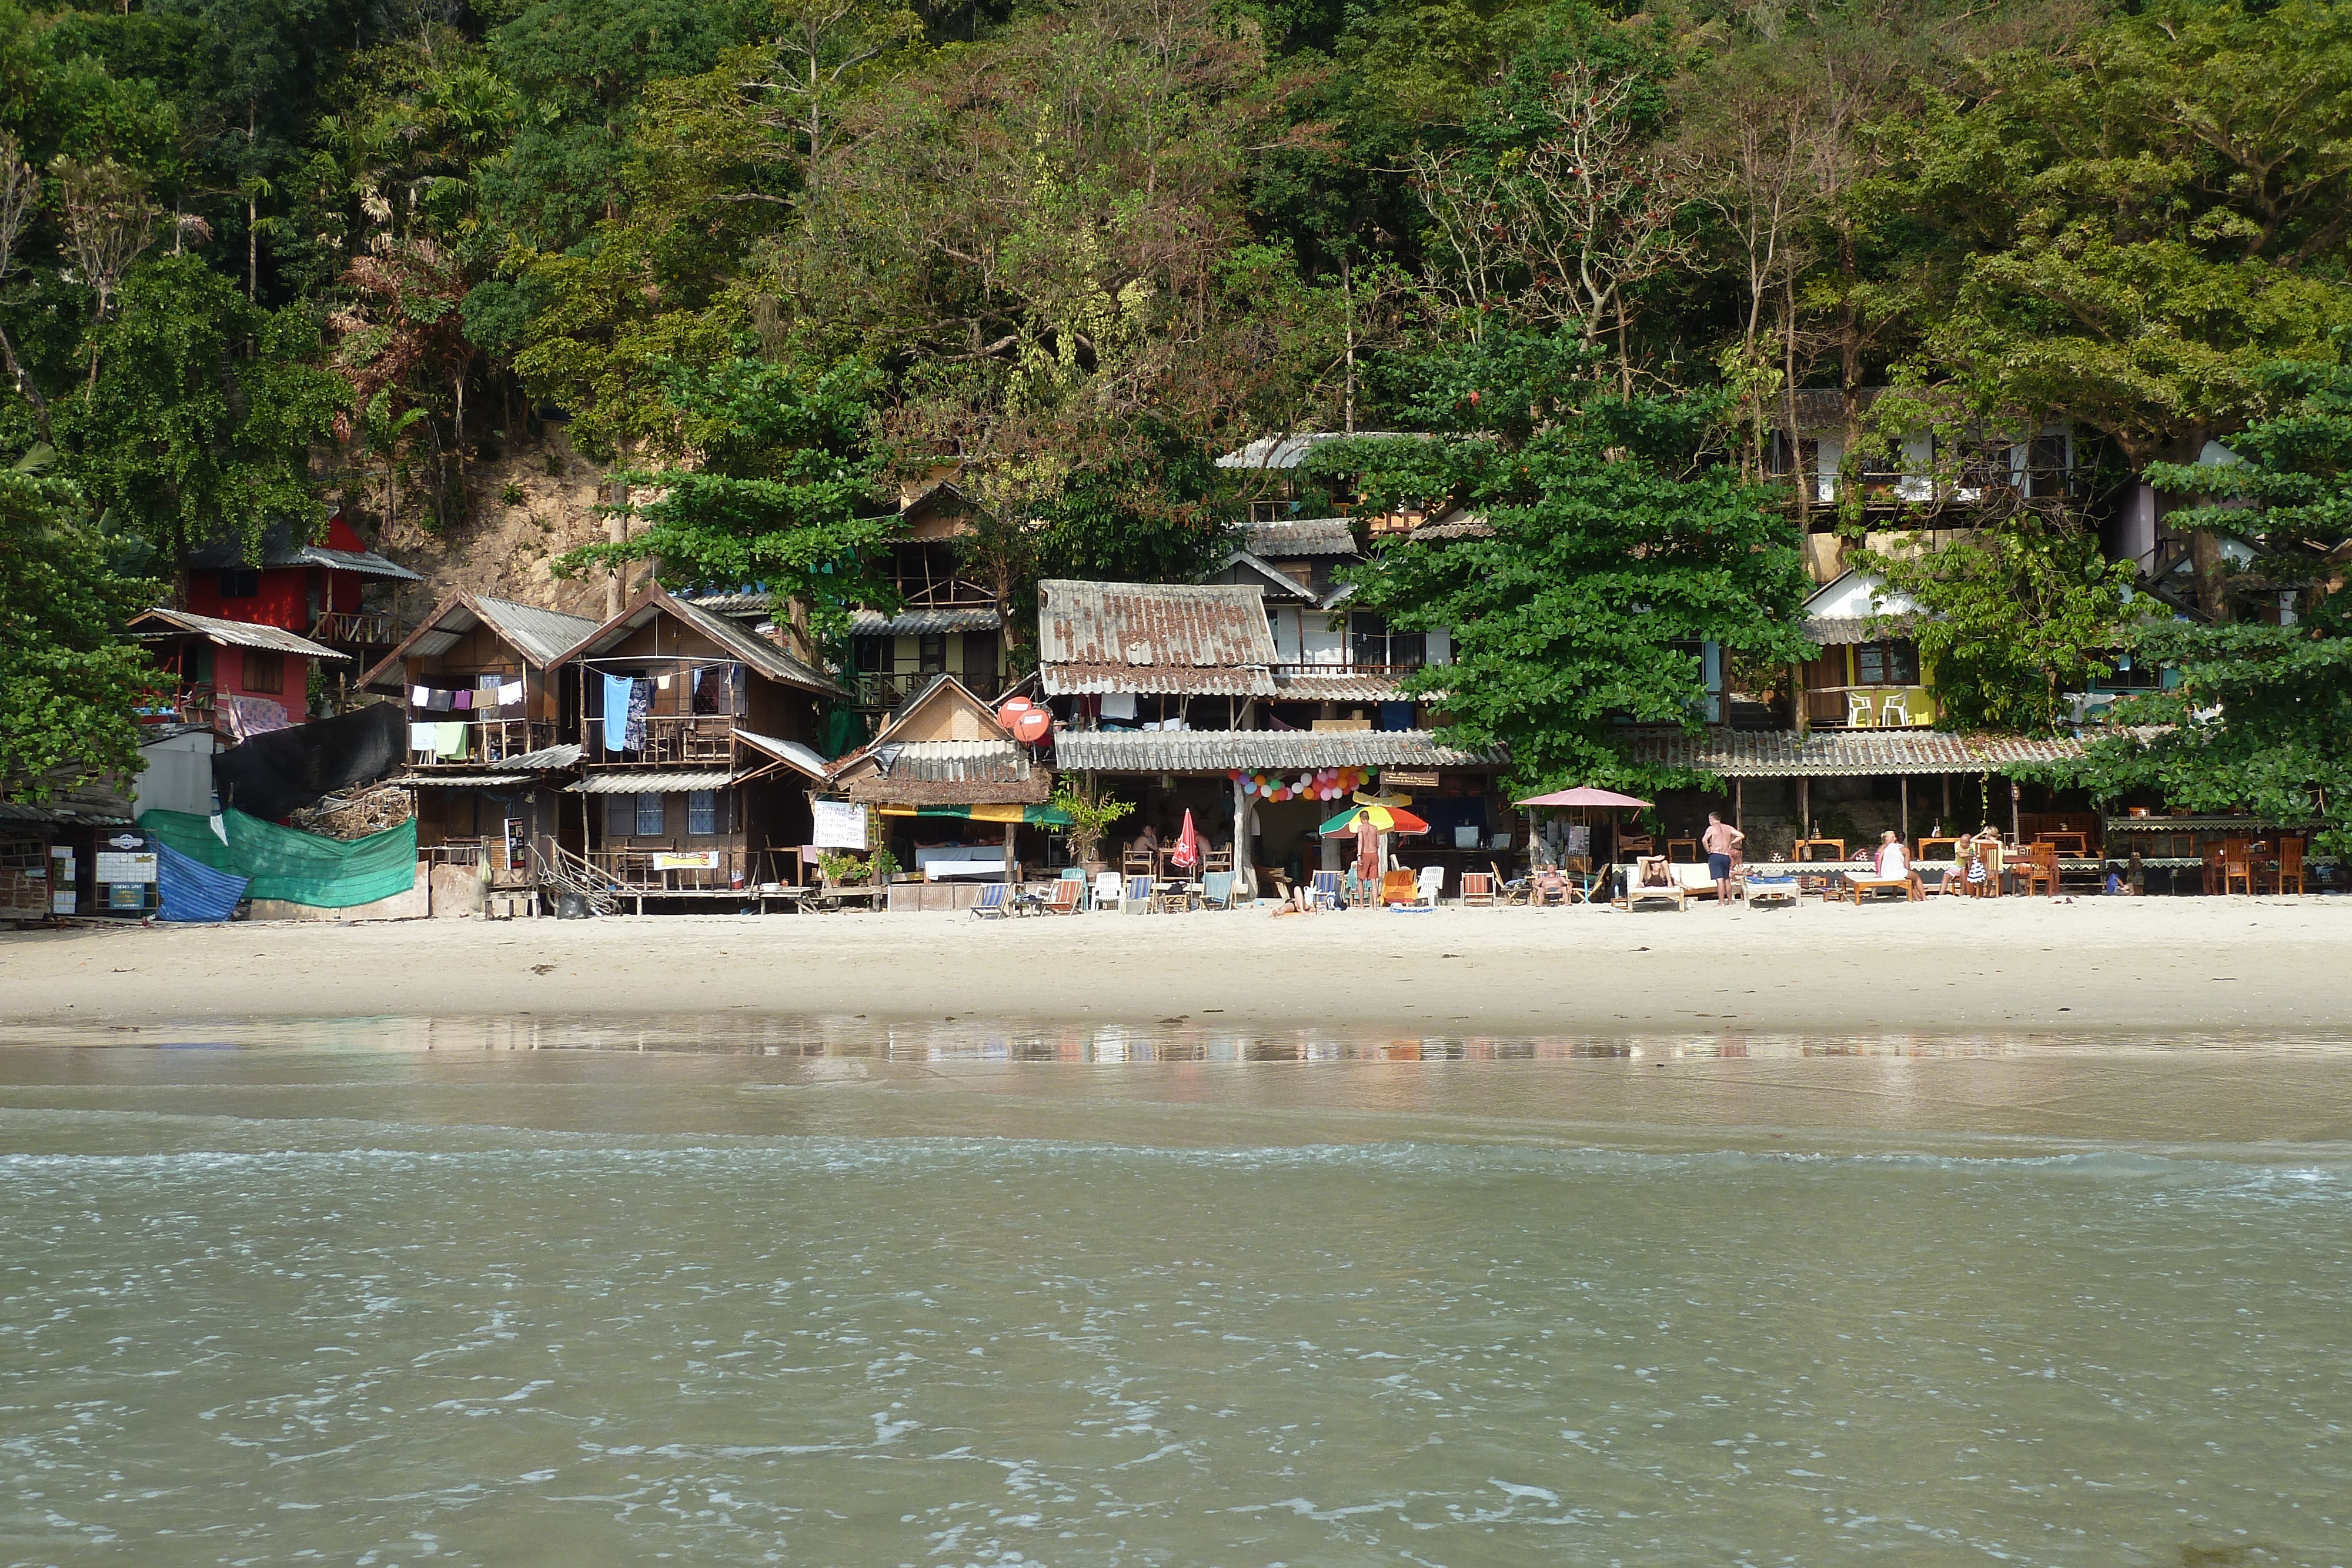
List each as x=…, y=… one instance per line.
x=686, y=860
x=1409, y=778
x=126, y=895
x=114, y=867
x=839, y=825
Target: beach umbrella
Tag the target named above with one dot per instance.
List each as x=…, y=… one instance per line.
x=1582, y=795
x=1187, y=853
x=1387, y=819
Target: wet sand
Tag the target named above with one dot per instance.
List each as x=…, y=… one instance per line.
x=2224, y=967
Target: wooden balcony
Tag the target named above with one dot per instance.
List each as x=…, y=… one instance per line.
x=671, y=741
x=887, y=689
x=191, y=702
x=654, y=871
x=1869, y=707
x=356, y=629
x=487, y=740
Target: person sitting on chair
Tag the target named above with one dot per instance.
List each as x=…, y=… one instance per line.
x=1894, y=865
x=1550, y=886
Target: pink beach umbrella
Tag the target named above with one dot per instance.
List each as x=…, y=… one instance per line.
x=1187, y=853
x=1582, y=795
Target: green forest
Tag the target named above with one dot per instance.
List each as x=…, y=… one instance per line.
x=767, y=260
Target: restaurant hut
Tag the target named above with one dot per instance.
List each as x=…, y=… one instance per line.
x=697, y=750
x=954, y=792
x=488, y=752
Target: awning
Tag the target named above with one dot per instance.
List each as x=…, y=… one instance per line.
x=1030, y=816
x=791, y=753
x=1280, y=751
x=652, y=782
x=459, y=781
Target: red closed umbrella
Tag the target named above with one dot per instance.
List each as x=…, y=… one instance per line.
x=1187, y=853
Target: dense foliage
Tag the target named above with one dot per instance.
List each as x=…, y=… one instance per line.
x=258, y=253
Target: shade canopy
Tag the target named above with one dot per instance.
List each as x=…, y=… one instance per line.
x=1582, y=795
x=1385, y=819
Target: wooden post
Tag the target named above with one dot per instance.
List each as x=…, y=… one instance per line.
x=1010, y=876
x=1804, y=806
x=1906, y=809
x=1740, y=804
x=2014, y=793
x=1947, y=820
x=1245, y=863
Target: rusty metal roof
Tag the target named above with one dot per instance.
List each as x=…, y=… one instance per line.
x=1340, y=685
x=1177, y=639
x=1300, y=536
x=159, y=624
x=1846, y=752
x=1835, y=631
x=1221, y=750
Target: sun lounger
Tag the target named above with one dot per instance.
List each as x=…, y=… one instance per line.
x=1325, y=893
x=1637, y=892
x=1763, y=890
x=991, y=901
x=1067, y=894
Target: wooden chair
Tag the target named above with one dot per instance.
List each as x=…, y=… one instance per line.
x=2077, y=844
x=1634, y=846
x=1136, y=862
x=1550, y=886
x=1477, y=890
x=1216, y=860
x=2039, y=869
x=2290, y=865
x=2237, y=866
x=1507, y=890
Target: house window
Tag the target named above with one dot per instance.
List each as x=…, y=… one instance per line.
x=240, y=582
x=931, y=655
x=264, y=671
x=651, y=821
x=709, y=811
x=871, y=655
x=1887, y=664
x=980, y=655
x=620, y=816
x=1374, y=646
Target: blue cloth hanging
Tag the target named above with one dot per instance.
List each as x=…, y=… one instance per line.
x=617, y=690
x=190, y=889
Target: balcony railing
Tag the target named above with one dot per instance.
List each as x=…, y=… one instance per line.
x=485, y=740
x=699, y=739
x=888, y=688
x=191, y=703
x=357, y=628
x=652, y=871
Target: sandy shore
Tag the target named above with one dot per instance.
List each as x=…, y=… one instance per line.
x=2098, y=965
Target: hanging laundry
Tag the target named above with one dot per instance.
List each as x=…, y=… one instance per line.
x=421, y=737
x=1119, y=705
x=450, y=742
x=510, y=692
x=462, y=701
x=617, y=690
x=641, y=702
x=663, y=682
x=420, y=696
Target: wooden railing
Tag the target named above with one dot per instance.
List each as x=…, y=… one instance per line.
x=364, y=629
x=486, y=740
x=879, y=688
x=700, y=738
x=191, y=703
x=633, y=870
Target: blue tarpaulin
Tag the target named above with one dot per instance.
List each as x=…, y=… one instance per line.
x=191, y=890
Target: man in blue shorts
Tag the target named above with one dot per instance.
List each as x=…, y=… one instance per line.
x=1721, y=841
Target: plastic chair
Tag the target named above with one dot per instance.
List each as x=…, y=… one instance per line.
x=1429, y=885
x=1107, y=888
x=992, y=901
x=1896, y=711
x=1858, y=710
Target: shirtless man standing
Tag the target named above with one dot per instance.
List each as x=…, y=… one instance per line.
x=1721, y=841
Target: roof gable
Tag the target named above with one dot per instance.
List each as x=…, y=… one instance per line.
x=541, y=636
x=731, y=639
x=1857, y=593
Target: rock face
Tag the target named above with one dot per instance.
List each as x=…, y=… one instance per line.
x=505, y=548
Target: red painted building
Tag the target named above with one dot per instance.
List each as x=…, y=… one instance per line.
x=241, y=677
x=315, y=590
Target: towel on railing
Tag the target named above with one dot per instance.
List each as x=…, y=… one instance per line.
x=618, y=690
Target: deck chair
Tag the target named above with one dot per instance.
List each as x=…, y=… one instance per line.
x=1477, y=890
x=1325, y=893
x=1217, y=890
x=1550, y=886
x=1107, y=889
x=1067, y=891
x=1136, y=897
x=992, y=901
x=1398, y=886
x=1507, y=890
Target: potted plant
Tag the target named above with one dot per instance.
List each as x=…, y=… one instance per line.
x=839, y=869
x=1091, y=815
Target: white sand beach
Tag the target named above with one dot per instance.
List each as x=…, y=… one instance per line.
x=2215, y=966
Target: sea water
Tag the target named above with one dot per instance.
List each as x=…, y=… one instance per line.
x=778, y=1300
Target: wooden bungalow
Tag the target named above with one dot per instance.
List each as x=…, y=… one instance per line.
x=1869, y=674
x=697, y=742
x=489, y=743
x=319, y=589
x=953, y=790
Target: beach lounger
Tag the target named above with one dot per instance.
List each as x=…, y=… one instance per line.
x=1639, y=885
x=1398, y=886
x=1477, y=890
x=1325, y=895
x=1764, y=890
x=1217, y=889
x=1425, y=889
x=1138, y=898
x=1067, y=891
x=991, y=901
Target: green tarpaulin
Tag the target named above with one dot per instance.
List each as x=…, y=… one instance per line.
x=297, y=867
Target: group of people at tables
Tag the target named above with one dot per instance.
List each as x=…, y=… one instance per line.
x=1977, y=862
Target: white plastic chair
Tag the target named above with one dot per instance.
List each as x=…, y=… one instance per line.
x=1107, y=890
x=1859, y=714
x=1897, y=714
x=1428, y=885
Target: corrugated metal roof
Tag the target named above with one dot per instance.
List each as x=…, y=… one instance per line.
x=60, y=815
x=1463, y=527
x=650, y=782
x=541, y=636
x=280, y=547
x=923, y=623
x=545, y=758
x=1846, y=752
x=791, y=753
x=750, y=602
x=459, y=781
x=1336, y=687
x=1300, y=536
x=956, y=761
x=1219, y=750
x=235, y=634
x=1290, y=451
x=765, y=656
x=1836, y=631
x=1195, y=639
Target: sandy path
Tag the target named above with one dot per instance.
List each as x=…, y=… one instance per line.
x=2166, y=966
